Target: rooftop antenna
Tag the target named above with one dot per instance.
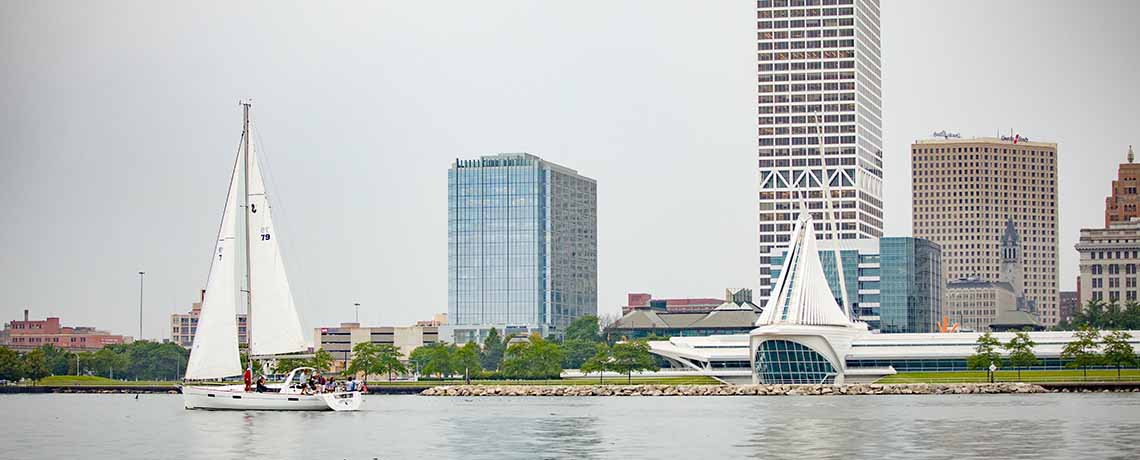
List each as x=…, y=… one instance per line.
x=1130, y=155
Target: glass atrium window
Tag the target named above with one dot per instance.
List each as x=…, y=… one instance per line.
x=783, y=361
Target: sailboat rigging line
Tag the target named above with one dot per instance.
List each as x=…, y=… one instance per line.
x=233, y=171
x=278, y=207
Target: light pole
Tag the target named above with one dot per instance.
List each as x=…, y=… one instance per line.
x=357, y=305
x=141, y=273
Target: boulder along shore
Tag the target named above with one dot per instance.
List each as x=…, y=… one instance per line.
x=732, y=390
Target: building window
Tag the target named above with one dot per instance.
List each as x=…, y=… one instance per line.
x=783, y=361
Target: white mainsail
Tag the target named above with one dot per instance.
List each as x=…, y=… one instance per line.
x=276, y=329
x=215, y=350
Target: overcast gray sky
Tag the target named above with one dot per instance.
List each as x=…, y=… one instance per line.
x=120, y=121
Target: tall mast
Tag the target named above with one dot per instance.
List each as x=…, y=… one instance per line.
x=248, y=276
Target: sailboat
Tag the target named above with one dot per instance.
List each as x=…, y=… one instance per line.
x=273, y=327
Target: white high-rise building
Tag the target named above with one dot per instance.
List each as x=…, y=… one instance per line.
x=819, y=119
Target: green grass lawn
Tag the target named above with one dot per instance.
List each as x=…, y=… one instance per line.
x=93, y=380
x=1094, y=375
x=687, y=380
x=97, y=381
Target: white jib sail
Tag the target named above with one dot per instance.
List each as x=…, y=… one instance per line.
x=215, y=350
x=276, y=329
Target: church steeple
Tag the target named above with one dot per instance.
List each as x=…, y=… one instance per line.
x=1011, y=271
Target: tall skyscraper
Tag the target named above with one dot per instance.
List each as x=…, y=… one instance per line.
x=819, y=119
x=522, y=239
x=969, y=193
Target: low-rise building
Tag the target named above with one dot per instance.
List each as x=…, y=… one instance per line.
x=645, y=301
x=1070, y=304
x=983, y=306
x=437, y=320
x=183, y=326
x=973, y=304
x=338, y=341
x=733, y=315
x=29, y=334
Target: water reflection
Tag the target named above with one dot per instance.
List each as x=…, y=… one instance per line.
x=999, y=426
x=884, y=427
x=533, y=429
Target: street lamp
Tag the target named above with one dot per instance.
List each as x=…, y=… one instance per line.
x=357, y=305
x=141, y=273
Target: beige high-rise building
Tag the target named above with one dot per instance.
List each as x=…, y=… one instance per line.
x=964, y=191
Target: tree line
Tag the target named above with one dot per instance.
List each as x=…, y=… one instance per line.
x=1098, y=314
x=1087, y=349
x=502, y=357
x=139, y=360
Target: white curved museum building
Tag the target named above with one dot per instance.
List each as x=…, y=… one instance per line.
x=804, y=336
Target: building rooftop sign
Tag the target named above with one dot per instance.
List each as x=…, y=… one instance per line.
x=946, y=135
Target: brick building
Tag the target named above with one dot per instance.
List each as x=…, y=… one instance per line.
x=644, y=301
x=1121, y=205
x=28, y=334
x=1070, y=303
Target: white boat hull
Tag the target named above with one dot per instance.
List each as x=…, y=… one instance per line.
x=236, y=398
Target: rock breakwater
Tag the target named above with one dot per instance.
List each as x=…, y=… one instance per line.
x=731, y=390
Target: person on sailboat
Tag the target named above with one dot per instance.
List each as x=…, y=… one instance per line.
x=247, y=376
x=261, y=388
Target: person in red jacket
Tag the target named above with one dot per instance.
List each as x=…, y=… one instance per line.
x=247, y=376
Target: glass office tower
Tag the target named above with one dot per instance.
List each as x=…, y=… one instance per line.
x=522, y=247
x=893, y=284
x=910, y=285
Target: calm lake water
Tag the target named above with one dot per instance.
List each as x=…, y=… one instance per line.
x=405, y=427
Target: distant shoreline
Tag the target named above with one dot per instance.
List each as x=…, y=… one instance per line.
x=645, y=389
x=160, y=389
x=779, y=390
